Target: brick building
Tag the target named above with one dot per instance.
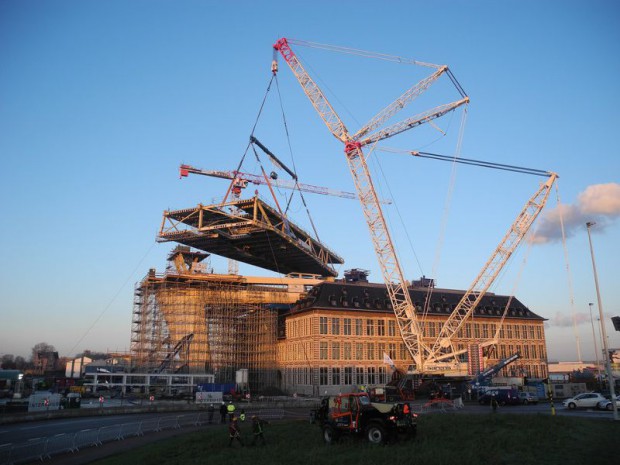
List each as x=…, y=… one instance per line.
x=335, y=337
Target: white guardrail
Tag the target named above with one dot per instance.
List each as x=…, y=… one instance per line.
x=40, y=449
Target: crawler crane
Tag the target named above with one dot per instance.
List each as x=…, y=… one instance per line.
x=428, y=356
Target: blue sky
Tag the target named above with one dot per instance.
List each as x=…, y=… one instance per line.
x=101, y=101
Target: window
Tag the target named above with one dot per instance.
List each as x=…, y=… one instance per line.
x=524, y=331
x=392, y=352
x=509, y=331
x=323, y=351
x=370, y=327
x=403, y=351
x=336, y=376
x=359, y=351
x=323, y=325
x=347, y=326
x=348, y=375
x=538, y=332
x=517, y=332
x=323, y=376
x=485, y=330
x=336, y=326
x=335, y=350
x=371, y=351
x=347, y=351
x=359, y=375
x=372, y=378
x=382, y=375
x=531, y=328
x=380, y=351
x=468, y=330
x=391, y=328
x=381, y=328
x=358, y=326
x=430, y=328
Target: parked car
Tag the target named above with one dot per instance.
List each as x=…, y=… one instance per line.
x=585, y=400
x=528, y=398
x=606, y=404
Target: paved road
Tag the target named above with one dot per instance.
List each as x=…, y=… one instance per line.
x=22, y=432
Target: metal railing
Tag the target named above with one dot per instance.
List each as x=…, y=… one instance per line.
x=40, y=449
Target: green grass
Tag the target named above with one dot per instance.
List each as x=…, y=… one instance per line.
x=442, y=440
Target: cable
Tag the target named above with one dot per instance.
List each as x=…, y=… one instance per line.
x=260, y=111
x=290, y=147
x=391, y=196
x=106, y=308
x=568, y=273
x=363, y=53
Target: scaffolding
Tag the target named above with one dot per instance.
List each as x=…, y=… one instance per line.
x=199, y=323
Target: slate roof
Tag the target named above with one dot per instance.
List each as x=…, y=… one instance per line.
x=370, y=297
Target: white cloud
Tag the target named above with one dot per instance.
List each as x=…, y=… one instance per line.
x=564, y=320
x=599, y=203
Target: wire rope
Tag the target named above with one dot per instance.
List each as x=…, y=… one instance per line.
x=363, y=53
x=290, y=147
x=107, y=307
x=446, y=211
x=260, y=111
x=398, y=213
x=568, y=271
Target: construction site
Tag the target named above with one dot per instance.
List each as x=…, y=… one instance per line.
x=306, y=330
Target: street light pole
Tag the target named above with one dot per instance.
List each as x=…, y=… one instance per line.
x=598, y=365
x=610, y=376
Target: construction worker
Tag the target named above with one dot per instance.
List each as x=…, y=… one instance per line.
x=234, y=432
x=257, y=429
x=223, y=412
x=230, y=408
x=211, y=412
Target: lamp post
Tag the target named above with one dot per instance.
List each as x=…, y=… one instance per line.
x=610, y=377
x=598, y=365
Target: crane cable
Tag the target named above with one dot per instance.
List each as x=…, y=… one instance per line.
x=446, y=211
x=568, y=272
x=516, y=283
x=363, y=53
x=391, y=196
x=260, y=111
x=290, y=148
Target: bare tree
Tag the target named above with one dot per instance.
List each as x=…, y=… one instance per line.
x=41, y=347
x=20, y=362
x=7, y=362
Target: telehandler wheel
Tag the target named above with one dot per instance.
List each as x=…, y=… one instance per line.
x=375, y=434
x=330, y=434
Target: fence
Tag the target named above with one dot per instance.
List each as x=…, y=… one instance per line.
x=40, y=449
